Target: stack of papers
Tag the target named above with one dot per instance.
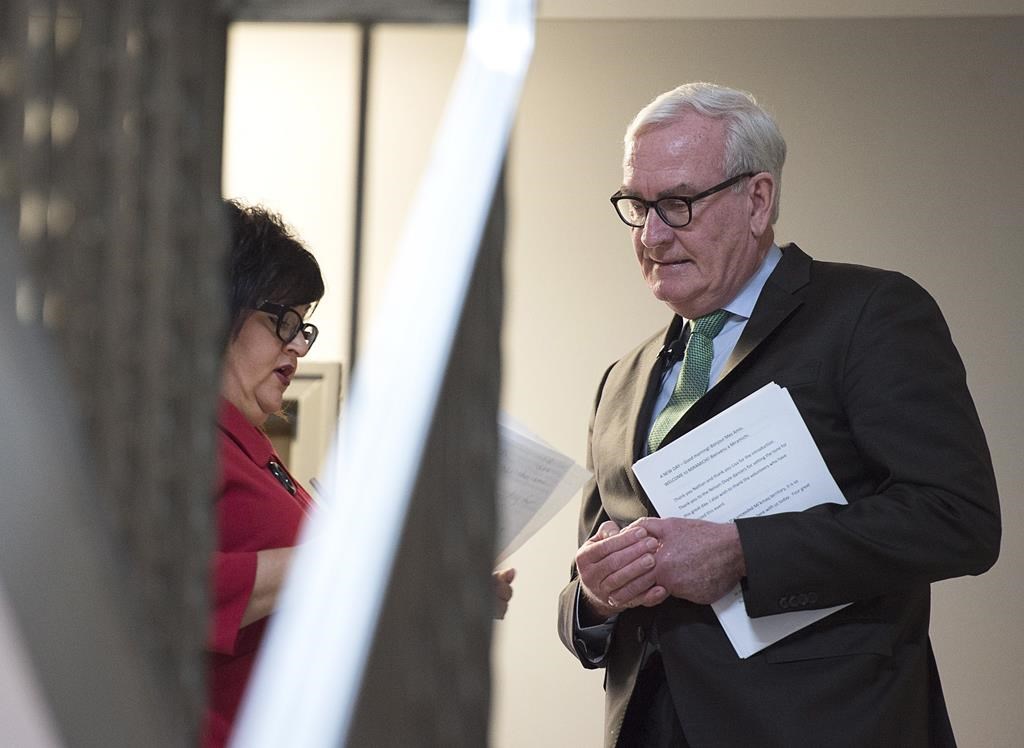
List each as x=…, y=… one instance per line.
x=753, y=459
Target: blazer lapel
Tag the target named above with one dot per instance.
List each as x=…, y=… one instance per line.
x=778, y=299
x=653, y=363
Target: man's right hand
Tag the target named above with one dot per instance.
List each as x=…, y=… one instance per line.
x=616, y=569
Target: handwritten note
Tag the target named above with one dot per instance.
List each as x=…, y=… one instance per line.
x=534, y=482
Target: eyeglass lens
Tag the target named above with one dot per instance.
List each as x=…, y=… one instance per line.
x=672, y=210
x=288, y=325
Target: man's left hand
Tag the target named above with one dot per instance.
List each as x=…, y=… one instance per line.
x=697, y=561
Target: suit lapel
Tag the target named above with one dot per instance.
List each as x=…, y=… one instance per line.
x=778, y=299
x=651, y=361
x=652, y=364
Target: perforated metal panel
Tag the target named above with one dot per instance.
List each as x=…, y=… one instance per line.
x=110, y=136
x=114, y=179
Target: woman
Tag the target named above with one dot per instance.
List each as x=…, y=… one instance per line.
x=274, y=282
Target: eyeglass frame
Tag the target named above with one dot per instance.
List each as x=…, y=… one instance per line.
x=686, y=200
x=308, y=329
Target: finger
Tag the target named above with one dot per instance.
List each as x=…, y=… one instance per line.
x=656, y=595
x=595, y=551
x=615, y=569
x=609, y=535
x=596, y=560
x=631, y=571
x=606, y=530
x=623, y=596
x=652, y=525
x=667, y=528
x=505, y=576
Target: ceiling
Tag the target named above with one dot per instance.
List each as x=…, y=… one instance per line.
x=651, y=9
x=455, y=10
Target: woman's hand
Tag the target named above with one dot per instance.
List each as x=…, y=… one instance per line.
x=502, y=591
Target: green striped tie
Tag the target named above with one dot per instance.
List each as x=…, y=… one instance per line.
x=693, y=375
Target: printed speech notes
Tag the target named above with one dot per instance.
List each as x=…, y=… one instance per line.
x=755, y=458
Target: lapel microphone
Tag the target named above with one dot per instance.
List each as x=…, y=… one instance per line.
x=672, y=352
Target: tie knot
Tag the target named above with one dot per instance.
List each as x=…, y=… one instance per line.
x=710, y=324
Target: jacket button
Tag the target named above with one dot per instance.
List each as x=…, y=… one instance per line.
x=794, y=601
x=812, y=597
x=783, y=602
x=803, y=599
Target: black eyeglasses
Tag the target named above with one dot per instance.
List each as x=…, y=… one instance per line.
x=675, y=210
x=289, y=323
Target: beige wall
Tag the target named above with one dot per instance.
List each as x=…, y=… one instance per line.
x=905, y=152
x=289, y=143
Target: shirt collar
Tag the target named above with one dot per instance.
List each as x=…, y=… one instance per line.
x=743, y=304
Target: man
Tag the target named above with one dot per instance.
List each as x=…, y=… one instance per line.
x=868, y=360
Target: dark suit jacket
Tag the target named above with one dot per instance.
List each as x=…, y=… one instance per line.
x=869, y=362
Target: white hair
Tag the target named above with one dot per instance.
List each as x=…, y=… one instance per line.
x=752, y=139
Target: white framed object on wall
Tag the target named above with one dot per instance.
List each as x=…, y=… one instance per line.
x=312, y=404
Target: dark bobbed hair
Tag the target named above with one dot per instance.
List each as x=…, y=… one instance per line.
x=266, y=263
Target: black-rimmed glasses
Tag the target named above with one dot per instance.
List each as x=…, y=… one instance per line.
x=675, y=210
x=289, y=323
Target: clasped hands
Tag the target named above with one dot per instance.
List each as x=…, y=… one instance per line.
x=653, y=558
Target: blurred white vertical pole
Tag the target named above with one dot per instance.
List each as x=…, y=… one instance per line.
x=307, y=680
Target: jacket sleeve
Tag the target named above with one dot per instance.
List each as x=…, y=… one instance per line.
x=592, y=515
x=931, y=511
x=234, y=575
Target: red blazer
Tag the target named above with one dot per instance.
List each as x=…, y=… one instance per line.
x=255, y=511
x=869, y=362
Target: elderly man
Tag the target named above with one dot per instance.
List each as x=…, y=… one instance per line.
x=869, y=363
